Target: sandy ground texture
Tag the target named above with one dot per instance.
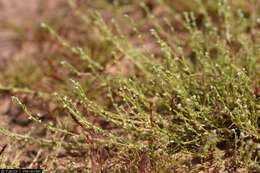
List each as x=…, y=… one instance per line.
x=17, y=19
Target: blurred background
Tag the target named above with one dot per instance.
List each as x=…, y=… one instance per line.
x=18, y=18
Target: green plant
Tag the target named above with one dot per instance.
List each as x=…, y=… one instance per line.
x=190, y=98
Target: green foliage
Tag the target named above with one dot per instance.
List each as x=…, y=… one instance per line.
x=190, y=98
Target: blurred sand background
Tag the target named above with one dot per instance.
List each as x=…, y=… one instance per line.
x=17, y=18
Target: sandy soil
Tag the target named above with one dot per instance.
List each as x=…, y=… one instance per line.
x=20, y=15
